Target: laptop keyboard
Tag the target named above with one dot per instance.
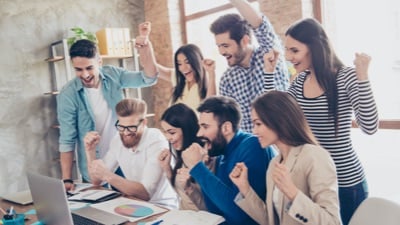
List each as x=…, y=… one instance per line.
x=80, y=220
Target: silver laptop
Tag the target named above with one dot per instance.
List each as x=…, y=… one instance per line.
x=50, y=201
x=22, y=197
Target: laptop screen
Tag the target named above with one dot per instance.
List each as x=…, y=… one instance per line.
x=50, y=200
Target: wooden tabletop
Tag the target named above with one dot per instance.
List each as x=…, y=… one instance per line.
x=30, y=219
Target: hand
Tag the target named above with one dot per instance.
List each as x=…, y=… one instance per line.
x=193, y=155
x=91, y=140
x=165, y=158
x=98, y=170
x=144, y=32
x=361, y=62
x=283, y=180
x=141, y=41
x=182, y=178
x=270, y=61
x=209, y=66
x=145, y=29
x=240, y=178
x=69, y=186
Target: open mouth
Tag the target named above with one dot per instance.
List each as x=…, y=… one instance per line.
x=88, y=79
x=187, y=73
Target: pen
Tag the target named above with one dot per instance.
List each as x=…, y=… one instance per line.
x=157, y=222
x=2, y=211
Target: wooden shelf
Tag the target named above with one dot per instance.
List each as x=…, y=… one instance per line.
x=52, y=93
x=116, y=56
x=55, y=59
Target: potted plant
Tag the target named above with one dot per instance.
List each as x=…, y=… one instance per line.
x=79, y=34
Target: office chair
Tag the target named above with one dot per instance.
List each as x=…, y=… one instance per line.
x=374, y=210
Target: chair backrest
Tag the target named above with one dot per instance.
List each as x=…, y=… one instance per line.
x=375, y=210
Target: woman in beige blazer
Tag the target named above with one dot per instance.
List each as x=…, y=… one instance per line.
x=301, y=180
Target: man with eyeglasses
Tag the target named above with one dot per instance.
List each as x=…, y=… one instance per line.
x=87, y=102
x=135, y=150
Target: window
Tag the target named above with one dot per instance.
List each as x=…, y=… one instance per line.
x=372, y=27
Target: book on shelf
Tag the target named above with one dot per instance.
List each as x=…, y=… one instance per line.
x=114, y=41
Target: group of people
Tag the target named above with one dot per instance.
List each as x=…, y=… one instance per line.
x=261, y=151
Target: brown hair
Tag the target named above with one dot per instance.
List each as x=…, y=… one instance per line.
x=280, y=112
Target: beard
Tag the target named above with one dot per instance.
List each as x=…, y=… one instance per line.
x=130, y=140
x=217, y=146
x=238, y=57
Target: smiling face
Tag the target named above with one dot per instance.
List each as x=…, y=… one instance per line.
x=173, y=134
x=298, y=54
x=210, y=133
x=128, y=138
x=185, y=68
x=87, y=70
x=265, y=135
x=228, y=48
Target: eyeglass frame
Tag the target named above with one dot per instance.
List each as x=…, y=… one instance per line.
x=128, y=128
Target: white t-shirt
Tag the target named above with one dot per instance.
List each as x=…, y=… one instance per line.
x=103, y=119
x=143, y=166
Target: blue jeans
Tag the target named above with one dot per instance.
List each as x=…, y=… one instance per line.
x=350, y=198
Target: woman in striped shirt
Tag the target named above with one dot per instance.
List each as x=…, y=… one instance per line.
x=329, y=92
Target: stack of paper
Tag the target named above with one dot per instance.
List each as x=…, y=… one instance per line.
x=185, y=217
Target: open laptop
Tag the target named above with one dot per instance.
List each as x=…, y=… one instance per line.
x=22, y=197
x=50, y=201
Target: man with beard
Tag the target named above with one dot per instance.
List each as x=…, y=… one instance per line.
x=245, y=79
x=135, y=150
x=219, y=120
x=87, y=102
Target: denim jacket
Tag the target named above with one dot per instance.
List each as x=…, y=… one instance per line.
x=75, y=115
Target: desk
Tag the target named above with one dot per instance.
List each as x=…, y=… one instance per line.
x=32, y=218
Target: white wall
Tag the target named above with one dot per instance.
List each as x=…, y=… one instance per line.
x=27, y=141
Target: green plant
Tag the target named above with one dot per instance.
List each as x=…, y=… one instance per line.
x=81, y=34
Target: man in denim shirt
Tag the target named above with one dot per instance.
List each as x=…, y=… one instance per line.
x=87, y=102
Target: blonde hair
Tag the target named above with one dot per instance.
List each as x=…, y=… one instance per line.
x=131, y=106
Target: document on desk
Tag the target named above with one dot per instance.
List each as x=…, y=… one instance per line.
x=94, y=196
x=80, y=187
x=184, y=217
x=131, y=209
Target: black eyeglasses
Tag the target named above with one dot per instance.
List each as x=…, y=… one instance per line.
x=131, y=129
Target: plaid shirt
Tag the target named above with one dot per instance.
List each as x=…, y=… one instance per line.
x=245, y=84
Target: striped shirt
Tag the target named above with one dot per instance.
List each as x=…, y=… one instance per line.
x=353, y=95
x=245, y=84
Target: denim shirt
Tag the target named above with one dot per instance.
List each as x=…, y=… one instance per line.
x=75, y=115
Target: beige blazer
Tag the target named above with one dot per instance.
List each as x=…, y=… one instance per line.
x=314, y=174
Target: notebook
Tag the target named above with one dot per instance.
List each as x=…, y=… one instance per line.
x=22, y=197
x=50, y=201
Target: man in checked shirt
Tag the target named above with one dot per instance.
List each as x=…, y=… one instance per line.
x=245, y=79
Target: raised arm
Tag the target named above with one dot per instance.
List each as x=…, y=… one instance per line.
x=165, y=73
x=253, y=16
x=145, y=50
x=147, y=58
x=209, y=66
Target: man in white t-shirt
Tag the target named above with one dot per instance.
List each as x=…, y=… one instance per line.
x=135, y=150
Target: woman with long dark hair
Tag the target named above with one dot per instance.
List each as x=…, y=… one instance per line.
x=329, y=93
x=193, y=77
x=180, y=126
